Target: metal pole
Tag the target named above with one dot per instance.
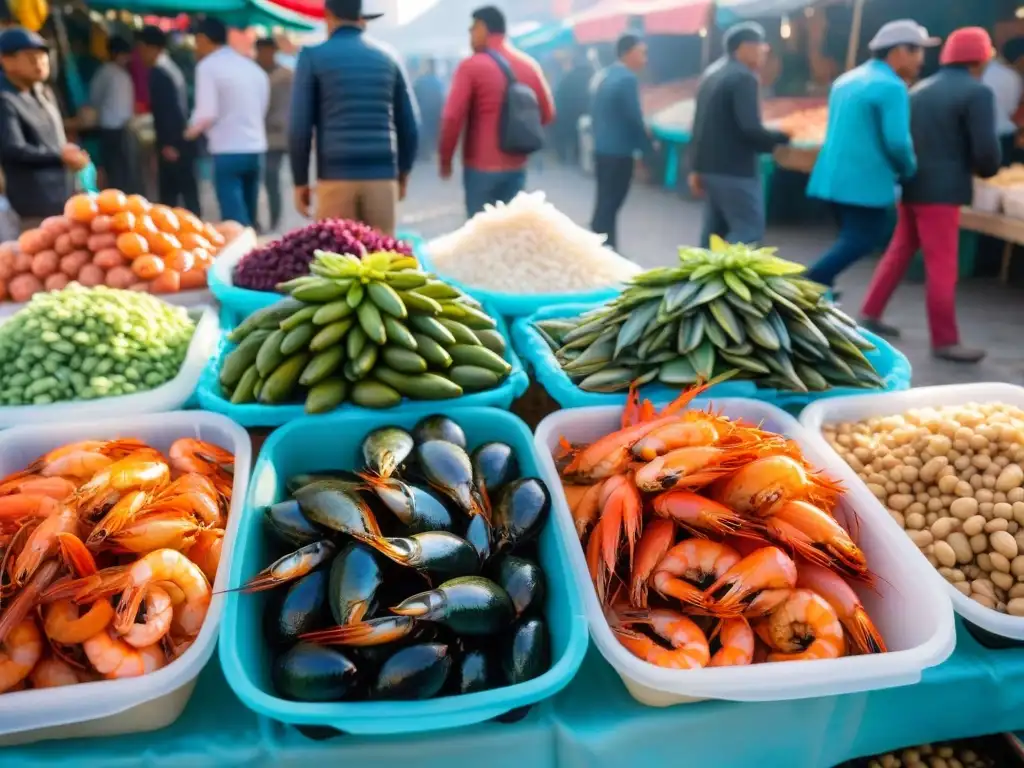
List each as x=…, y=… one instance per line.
x=854, y=44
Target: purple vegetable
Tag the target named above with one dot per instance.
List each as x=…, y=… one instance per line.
x=290, y=256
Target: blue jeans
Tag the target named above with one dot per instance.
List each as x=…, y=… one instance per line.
x=733, y=209
x=483, y=187
x=236, y=180
x=862, y=231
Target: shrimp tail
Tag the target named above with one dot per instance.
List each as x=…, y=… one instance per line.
x=595, y=564
x=128, y=608
x=75, y=554
x=864, y=635
x=632, y=413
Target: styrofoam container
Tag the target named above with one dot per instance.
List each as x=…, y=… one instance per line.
x=168, y=396
x=332, y=441
x=889, y=404
x=915, y=617
x=130, y=705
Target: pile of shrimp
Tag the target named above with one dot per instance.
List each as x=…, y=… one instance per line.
x=107, y=553
x=712, y=542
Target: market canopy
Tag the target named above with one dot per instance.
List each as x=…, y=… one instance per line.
x=545, y=38
x=731, y=11
x=610, y=18
x=240, y=13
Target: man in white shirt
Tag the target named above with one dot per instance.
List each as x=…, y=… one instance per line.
x=112, y=106
x=1003, y=76
x=232, y=96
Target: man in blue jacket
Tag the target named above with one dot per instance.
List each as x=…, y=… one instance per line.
x=352, y=92
x=868, y=148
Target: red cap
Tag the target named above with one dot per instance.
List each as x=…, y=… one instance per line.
x=968, y=45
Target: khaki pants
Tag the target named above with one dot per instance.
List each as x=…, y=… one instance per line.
x=372, y=202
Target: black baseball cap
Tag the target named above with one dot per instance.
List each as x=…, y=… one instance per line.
x=18, y=39
x=350, y=10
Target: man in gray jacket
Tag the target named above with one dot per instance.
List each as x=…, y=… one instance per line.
x=277, y=124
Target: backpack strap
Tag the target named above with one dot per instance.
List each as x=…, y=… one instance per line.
x=502, y=62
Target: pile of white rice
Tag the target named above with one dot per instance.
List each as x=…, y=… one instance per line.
x=528, y=246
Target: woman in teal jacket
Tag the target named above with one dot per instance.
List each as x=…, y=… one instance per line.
x=868, y=149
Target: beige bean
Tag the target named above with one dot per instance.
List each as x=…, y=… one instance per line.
x=947, y=483
x=877, y=490
x=1018, y=511
x=915, y=520
x=931, y=469
x=910, y=473
x=974, y=525
x=934, y=504
x=996, y=524
x=930, y=518
x=983, y=495
x=921, y=538
x=983, y=587
x=988, y=602
x=964, y=588
x=944, y=554
x=963, y=508
x=899, y=501
x=999, y=562
x=1004, y=544
x=1003, y=510
x=964, y=490
x=984, y=562
x=1016, y=606
x=1002, y=580
x=898, y=517
x=1011, y=477
x=961, y=546
x=943, y=526
x=1014, y=495
x=918, y=506
x=979, y=543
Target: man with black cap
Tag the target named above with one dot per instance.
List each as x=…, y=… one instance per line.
x=620, y=133
x=728, y=136
x=37, y=160
x=353, y=94
x=111, y=107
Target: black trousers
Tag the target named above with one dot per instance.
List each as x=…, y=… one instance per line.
x=119, y=156
x=272, y=181
x=177, y=184
x=614, y=176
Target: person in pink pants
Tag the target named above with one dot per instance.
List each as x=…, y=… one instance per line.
x=952, y=120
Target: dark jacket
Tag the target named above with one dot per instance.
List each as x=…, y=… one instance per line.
x=952, y=120
x=572, y=97
x=168, y=99
x=616, y=115
x=727, y=131
x=31, y=138
x=353, y=93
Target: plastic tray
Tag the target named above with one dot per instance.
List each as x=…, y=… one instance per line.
x=152, y=701
x=332, y=441
x=520, y=304
x=211, y=398
x=189, y=299
x=891, y=364
x=914, y=617
x=864, y=407
x=167, y=397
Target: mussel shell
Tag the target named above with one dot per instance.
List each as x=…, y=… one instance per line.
x=494, y=466
x=437, y=552
x=353, y=583
x=527, y=652
x=384, y=450
x=469, y=605
x=476, y=670
x=302, y=609
x=439, y=427
x=305, y=478
x=446, y=467
x=521, y=511
x=429, y=512
x=308, y=672
x=335, y=505
x=523, y=581
x=289, y=526
x=479, y=535
x=416, y=672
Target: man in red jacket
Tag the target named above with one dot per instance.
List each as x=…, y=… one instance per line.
x=474, y=108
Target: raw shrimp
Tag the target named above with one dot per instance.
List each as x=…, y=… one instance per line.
x=190, y=455
x=658, y=537
x=19, y=653
x=206, y=551
x=113, y=657
x=584, y=504
x=692, y=467
x=53, y=673
x=863, y=634
x=702, y=516
x=737, y=642
x=803, y=628
x=166, y=565
x=119, y=516
x=762, y=486
x=142, y=471
x=690, y=566
x=63, y=624
x=754, y=585
x=159, y=613
x=176, y=530
x=815, y=535
x=42, y=542
x=689, y=645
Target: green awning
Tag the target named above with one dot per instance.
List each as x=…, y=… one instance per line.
x=237, y=13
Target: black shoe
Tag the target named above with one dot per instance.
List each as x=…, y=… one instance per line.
x=882, y=329
x=957, y=353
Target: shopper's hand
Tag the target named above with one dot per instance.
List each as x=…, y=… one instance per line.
x=74, y=157
x=193, y=132
x=696, y=188
x=445, y=170
x=170, y=154
x=303, y=197
x=403, y=185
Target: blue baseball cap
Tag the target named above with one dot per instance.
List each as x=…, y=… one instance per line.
x=17, y=39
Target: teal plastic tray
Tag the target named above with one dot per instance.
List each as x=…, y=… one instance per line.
x=211, y=398
x=891, y=364
x=332, y=441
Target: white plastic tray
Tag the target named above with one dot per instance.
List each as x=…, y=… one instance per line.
x=111, y=707
x=167, y=397
x=861, y=407
x=914, y=617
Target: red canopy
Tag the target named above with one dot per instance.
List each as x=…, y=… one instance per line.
x=312, y=8
x=610, y=18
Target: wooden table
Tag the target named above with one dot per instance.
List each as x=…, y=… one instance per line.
x=995, y=225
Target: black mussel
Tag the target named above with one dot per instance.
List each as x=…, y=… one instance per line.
x=494, y=466
x=354, y=580
x=289, y=526
x=385, y=450
x=438, y=427
x=437, y=552
x=365, y=634
x=335, y=506
x=308, y=672
x=479, y=535
x=527, y=652
x=475, y=671
x=448, y=470
x=471, y=605
x=303, y=607
x=419, y=510
x=520, y=512
x=524, y=582
x=416, y=672
x=298, y=481
x=291, y=567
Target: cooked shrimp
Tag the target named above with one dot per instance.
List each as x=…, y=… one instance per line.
x=58, y=488
x=762, y=486
x=190, y=455
x=191, y=493
x=692, y=467
x=63, y=624
x=690, y=566
x=620, y=502
x=53, y=673
x=142, y=471
x=19, y=653
x=702, y=516
x=864, y=635
x=689, y=645
x=175, y=530
x=119, y=516
x=113, y=657
x=815, y=535
x=166, y=565
x=804, y=628
x=23, y=506
x=43, y=541
x=584, y=504
x=83, y=459
x=159, y=613
x=206, y=551
x=699, y=429
x=764, y=574
x=658, y=537
x=736, y=640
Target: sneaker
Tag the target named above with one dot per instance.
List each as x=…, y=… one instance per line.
x=882, y=329
x=957, y=353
